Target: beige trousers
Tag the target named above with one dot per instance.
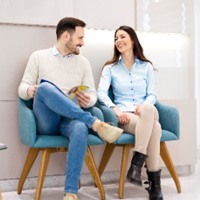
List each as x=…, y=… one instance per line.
x=147, y=132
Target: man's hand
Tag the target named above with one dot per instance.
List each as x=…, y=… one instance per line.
x=31, y=90
x=83, y=99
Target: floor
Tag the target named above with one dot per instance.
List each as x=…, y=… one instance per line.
x=190, y=191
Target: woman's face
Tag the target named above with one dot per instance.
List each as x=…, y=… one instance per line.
x=123, y=41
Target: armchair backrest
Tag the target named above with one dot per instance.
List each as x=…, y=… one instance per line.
x=26, y=121
x=169, y=118
x=110, y=93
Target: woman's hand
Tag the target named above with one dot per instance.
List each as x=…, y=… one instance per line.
x=122, y=117
x=137, y=110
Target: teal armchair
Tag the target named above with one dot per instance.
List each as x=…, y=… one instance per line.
x=169, y=120
x=48, y=145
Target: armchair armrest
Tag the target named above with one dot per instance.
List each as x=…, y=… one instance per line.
x=27, y=125
x=168, y=118
x=95, y=111
x=108, y=113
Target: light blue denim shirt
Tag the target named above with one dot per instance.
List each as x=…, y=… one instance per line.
x=130, y=87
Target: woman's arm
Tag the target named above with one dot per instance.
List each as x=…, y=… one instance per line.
x=103, y=95
x=103, y=88
x=151, y=91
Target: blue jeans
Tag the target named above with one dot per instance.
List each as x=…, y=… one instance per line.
x=56, y=113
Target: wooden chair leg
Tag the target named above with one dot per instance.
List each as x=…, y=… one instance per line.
x=0, y=196
x=43, y=168
x=124, y=162
x=89, y=160
x=169, y=164
x=32, y=155
x=106, y=157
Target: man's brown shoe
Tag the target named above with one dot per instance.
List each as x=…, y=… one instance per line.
x=108, y=133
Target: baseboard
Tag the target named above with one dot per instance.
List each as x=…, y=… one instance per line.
x=86, y=179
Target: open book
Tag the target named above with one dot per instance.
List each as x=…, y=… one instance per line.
x=74, y=90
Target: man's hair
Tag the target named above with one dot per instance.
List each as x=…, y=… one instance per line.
x=68, y=24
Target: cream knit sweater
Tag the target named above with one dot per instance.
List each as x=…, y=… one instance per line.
x=65, y=72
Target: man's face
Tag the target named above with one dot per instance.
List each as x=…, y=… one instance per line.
x=76, y=40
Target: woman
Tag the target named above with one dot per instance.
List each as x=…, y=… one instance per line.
x=131, y=76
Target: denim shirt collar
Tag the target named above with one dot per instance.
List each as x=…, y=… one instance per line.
x=137, y=61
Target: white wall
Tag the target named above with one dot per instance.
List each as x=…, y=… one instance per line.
x=176, y=84
x=97, y=14
x=39, y=12
x=26, y=26
x=106, y=14
x=197, y=64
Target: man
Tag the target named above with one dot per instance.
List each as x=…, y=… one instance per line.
x=48, y=77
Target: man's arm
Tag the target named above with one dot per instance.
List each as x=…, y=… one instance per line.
x=89, y=98
x=28, y=84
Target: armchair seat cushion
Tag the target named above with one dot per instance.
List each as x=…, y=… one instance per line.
x=127, y=138
x=46, y=141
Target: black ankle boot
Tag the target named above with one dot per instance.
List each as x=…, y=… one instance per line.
x=134, y=172
x=154, y=188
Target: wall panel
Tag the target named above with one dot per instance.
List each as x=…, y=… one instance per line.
x=106, y=14
x=43, y=12
x=17, y=44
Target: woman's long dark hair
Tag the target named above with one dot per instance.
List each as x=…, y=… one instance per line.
x=137, y=48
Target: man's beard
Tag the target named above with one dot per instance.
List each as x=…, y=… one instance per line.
x=75, y=50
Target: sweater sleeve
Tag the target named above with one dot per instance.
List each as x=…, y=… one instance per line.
x=30, y=76
x=88, y=80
